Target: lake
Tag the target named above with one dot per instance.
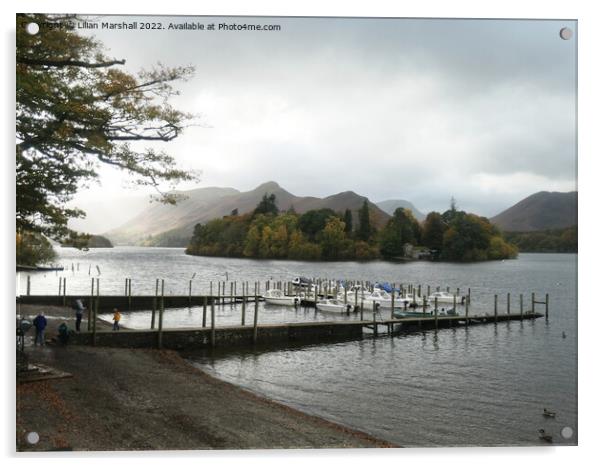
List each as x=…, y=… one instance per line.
x=480, y=385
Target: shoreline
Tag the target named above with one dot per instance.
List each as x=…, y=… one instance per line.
x=148, y=399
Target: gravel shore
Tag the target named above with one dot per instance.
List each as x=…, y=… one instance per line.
x=133, y=399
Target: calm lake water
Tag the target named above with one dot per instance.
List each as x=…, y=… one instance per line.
x=482, y=385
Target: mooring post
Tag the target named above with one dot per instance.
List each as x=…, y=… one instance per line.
x=455, y=302
x=205, y=311
x=231, y=293
x=189, y=293
x=255, y=314
x=28, y=285
x=219, y=288
x=91, y=306
x=508, y=303
x=212, y=325
x=466, y=313
x=375, y=327
x=393, y=301
x=244, y=308
x=125, y=289
x=532, y=302
x=447, y=289
x=423, y=306
x=96, y=304
x=420, y=291
x=211, y=290
x=495, y=307
x=436, y=314
x=129, y=294
x=547, y=304
x=355, y=307
x=64, y=291
x=161, y=310
x=362, y=310
x=155, y=304
x=468, y=301
x=428, y=290
x=521, y=306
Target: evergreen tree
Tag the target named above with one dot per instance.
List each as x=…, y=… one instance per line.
x=348, y=219
x=267, y=205
x=364, y=230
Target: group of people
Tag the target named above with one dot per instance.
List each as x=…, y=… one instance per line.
x=40, y=323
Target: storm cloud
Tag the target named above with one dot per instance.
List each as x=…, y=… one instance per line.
x=415, y=109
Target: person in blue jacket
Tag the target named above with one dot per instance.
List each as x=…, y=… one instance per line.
x=40, y=324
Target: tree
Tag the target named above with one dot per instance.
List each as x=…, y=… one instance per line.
x=314, y=221
x=399, y=230
x=333, y=240
x=267, y=205
x=77, y=109
x=364, y=230
x=348, y=219
x=234, y=212
x=33, y=249
x=433, y=231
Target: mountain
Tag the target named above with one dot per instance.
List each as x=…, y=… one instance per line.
x=540, y=211
x=390, y=205
x=172, y=225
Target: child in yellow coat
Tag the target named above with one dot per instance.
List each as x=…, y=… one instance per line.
x=116, y=319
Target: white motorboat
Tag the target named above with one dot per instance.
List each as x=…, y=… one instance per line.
x=333, y=306
x=445, y=297
x=384, y=300
x=279, y=298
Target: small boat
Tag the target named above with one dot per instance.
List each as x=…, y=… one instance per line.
x=279, y=298
x=547, y=413
x=545, y=436
x=444, y=297
x=384, y=300
x=302, y=282
x=333, y=306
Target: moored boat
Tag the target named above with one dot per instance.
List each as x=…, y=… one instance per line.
x=279, y=298
x=334, y=306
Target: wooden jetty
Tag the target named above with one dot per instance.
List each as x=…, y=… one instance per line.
x=290, y=333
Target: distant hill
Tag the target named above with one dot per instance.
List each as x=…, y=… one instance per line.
x=169, y=225
x=540, y=211
x=87, y=241
x=390, y=205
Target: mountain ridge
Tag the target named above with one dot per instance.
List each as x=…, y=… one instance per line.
x=544, y=210
x=161, y=225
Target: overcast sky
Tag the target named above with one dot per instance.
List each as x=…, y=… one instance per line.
x=422, y=110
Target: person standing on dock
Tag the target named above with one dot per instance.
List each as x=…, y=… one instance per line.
x=40, y=324
x=116, y=319
x=79, y=308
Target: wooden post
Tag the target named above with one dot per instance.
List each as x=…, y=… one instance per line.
x=436, y=314
x=205, y=311
x=508, y=303
x=468, y=299
x=428, y=290
x=125, y=289
x=255, y=314
x=423, y=306
x=212, y=325
x=495, y=306
x=231, y=293
x=447, y=289
x=244, y=308
x=375, y=327
x=95, y=314
x=155, y=304
x=211, y=290
x=355, y=307
x=189, y=293
x=532, y=302
x=420, y=291
x=547, y=304
x=521, y=306
x=219, y=288
x=161, y=309
x=64, y=291
x=90, y=306
x=28, y=285
x=362, y=310
x=393, y=301
x=129, y=294
x=455, y=302
x=466, y=314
